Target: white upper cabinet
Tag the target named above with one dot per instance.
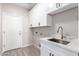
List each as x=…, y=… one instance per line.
x=34, y=16
x=60, y=7
x=50, y=7
x=38, y=16
x=55, y=6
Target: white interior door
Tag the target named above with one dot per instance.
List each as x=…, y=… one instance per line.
x=12, y=32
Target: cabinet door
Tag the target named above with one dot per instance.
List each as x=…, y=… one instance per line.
x=43, y=15
x=34, y=16
x=38, y=15
x=33, y=20
x=51, y=7
x=45, y=51
x=55, y=6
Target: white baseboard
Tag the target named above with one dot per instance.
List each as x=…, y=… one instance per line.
x=36, y=46
x=27, y=45
x=20, y=47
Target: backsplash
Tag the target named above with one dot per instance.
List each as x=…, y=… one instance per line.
x=69, y=21
x=40, y=33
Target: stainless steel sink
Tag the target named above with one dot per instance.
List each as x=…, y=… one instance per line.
x=59, y=41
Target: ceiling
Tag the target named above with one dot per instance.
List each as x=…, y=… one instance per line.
x=27, y=6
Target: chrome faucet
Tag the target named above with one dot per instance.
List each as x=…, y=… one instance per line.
x=60, y=27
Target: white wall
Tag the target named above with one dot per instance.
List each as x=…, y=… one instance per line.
x=0, y=28
x=68, y=20
x=78, y=21
x=20, y=12
x=27, y=34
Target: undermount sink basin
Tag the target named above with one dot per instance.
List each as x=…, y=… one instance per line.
x=59, y=41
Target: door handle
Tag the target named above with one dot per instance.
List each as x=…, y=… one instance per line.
x=19, y=33
x=3, y=32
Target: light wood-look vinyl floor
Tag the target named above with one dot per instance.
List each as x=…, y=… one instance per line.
x=26, y=51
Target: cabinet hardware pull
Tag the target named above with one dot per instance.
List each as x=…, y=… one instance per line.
x=78, y=54
x=58, y=5
x=3, y=32
x=39, y=23
x=49, y=54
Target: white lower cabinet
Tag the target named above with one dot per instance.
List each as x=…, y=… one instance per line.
x=45, y=51
x=55, y=50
